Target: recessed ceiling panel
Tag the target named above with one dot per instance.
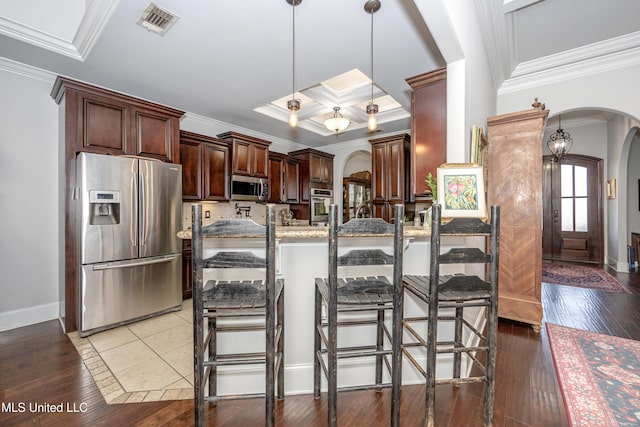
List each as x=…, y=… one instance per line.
x=351, y=91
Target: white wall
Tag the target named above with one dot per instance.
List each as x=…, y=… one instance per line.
x=594, y=88
x=357, y=162
x=471, y=95
x=29, y=197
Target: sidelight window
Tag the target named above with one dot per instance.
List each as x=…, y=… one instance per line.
x=574, y=198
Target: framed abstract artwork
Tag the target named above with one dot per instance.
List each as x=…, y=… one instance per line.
x=461, y=190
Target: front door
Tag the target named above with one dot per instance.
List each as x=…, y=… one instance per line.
x=572, y=209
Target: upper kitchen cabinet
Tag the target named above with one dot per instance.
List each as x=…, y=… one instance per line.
x=390, y=166
x=205, y=167
x=102, y=121
x=284, y=179
x=428, y=128
x=318, y=166
x=321, y=169
x=249, y=155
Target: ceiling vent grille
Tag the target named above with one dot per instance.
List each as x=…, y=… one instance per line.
x=157, y=19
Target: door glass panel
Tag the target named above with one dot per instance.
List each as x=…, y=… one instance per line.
x=566, y=180
x=567, y=214
x=581, y=214
x=580, y=176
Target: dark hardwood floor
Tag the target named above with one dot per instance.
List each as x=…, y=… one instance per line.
x=39, y=364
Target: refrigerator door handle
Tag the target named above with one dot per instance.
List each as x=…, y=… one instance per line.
x=134, y=263
x=142, y=208
x=133, y=203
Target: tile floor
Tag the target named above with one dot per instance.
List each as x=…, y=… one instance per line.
x=144, y=361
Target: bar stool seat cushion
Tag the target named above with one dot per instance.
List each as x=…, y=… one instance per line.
x=360, y=290
x=221, y=294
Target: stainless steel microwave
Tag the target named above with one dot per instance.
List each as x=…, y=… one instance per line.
x=249, y=188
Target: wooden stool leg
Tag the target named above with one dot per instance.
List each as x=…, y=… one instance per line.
x=280, y=349
x=432, y=336
x=457, y=357
x=213, y=356
x=270, y=315
x=492, y=337
x=332, y=356
x=396, y=347
x=379, y=346
x=317, y=343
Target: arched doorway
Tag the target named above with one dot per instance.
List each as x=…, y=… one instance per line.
x=572, y=209
x=356, y=186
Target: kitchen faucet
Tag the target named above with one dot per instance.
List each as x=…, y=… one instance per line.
x=245, y=209
x=366, y=207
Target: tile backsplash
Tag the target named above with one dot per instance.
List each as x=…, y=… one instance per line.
x=228, y=210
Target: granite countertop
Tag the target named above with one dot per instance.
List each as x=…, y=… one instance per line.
x=302, y=232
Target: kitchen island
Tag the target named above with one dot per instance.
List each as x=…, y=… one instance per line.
x=301, y=256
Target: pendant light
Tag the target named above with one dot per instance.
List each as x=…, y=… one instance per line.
x=559, y=143
x=293, y=104
x=336, y=122
x=372, y=6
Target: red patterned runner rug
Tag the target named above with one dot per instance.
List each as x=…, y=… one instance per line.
x=599, y=376
x=580, y=276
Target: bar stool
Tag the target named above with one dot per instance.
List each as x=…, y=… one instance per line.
x=261, y=300
x=457, y=292
x=369, y=295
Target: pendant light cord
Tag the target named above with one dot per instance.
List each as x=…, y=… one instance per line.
x=293, y=66
x=371, y=13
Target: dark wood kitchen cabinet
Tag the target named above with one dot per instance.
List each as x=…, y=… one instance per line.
x=316, y=170
x=111, y=123
x=97, y=120
x=320, y=169
x=389, y=177
x=284, y=179
x=428, y=129
x=205, y=167
x=249, y=155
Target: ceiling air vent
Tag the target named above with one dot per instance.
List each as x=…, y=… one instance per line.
x=156, y=19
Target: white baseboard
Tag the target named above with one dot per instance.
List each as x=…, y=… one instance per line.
x=28, y=316
x=621, y=266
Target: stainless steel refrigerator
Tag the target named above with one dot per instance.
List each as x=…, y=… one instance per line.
x=129, y=214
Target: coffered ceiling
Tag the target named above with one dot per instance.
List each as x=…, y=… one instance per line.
x=231, y=60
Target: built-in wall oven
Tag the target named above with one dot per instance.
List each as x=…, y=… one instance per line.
x=321, y=198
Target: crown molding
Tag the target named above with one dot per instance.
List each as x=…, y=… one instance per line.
x=608, y=55
x=93, y=23
x=497, y=30
x=27, y=70
x=95, y=20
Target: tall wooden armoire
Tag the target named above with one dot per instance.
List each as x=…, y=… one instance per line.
x=515, y=183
